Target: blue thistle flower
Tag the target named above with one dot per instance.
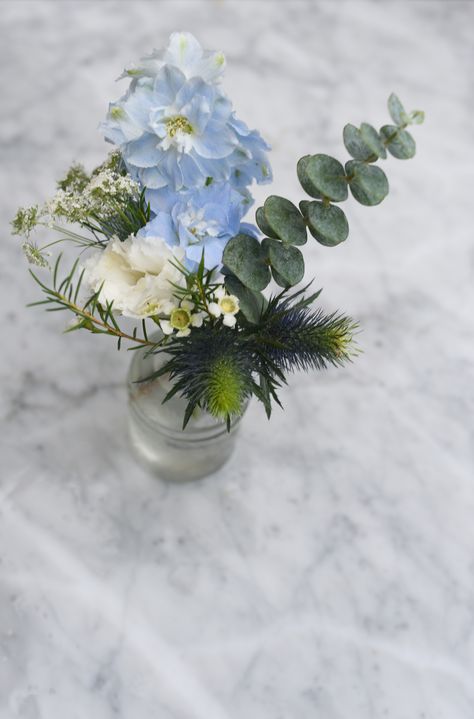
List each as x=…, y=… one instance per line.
x=212, y=369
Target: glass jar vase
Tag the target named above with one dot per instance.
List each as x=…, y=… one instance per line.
x=156, y=433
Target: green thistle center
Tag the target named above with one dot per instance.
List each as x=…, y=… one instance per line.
x=225, y=390
x=178, y=124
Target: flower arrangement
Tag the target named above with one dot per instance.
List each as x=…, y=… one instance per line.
x=161, y=223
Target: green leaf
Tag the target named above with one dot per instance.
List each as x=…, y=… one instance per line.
x=354, y=143
x=396, y=110
x=285, y=220
x=416, y=117
x=400, y=143
x=368, y=184
x=328, y=224
x=305, y=181
x=252, y=304
x=263, y=224
x=287, y=262
x=303, y=205
x=244, y=257
x=371, y=138
x=322, y=176
x=364, y=144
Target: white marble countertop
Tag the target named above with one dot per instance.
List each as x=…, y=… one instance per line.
x=328, y=570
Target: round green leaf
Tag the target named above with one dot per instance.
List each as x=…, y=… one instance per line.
x=263, y=224
x=304, y=179
x=369, y=184
x=354, y=143
x=323, y=176
x=251, y=303
x=364, y=144
x=286, y=261
x=285, y=220
x=328, y=224
x=244, y=257
x=303, y=205
x=279, y=279
x=401, y=145
x=372, y=139
x=396, y=110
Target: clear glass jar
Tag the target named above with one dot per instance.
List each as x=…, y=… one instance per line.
x=156, y=430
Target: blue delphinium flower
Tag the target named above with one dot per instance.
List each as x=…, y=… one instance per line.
x=249, y=160
x=176, y=129
x=203, y=219
x=185, y=53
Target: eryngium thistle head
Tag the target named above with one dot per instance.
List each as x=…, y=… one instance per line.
x=212, y=370
x=296, y=337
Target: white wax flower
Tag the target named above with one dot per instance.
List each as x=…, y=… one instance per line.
x=136, y=275
x=224, y=305
x=182, y=320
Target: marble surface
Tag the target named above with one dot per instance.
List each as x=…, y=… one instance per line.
x=328, y=570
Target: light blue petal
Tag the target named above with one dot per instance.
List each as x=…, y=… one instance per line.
x=137, y=105
x=191, y=173
x=248, y=229
x=168, y=83
x=183, y=51
x=160, y=226
x=215, y=144
x=152, y=178
x=198, y=112
x=162, y=200
x=143, y=152
x=194, y=88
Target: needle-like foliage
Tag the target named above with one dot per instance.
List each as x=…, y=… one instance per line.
x=293, y=336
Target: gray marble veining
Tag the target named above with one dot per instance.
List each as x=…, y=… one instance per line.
x=328, y=570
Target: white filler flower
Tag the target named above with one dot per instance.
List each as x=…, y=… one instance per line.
x=182, y=319
x=135, y=275
x=225, y=305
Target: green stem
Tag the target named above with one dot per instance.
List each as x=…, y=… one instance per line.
x=109, y=328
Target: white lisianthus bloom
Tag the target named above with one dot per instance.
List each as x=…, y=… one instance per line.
x=135, y=275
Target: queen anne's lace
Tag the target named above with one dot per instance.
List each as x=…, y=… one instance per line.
x=76, y=205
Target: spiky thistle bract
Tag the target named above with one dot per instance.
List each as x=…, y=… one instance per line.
x=212, y=369
x=293, y=336
x=218, y=369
